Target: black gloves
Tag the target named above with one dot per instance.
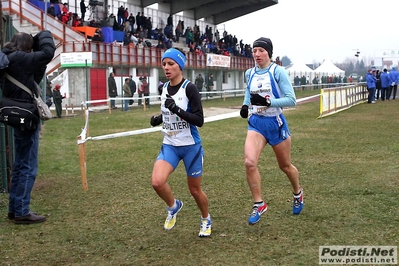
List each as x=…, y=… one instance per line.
x=156, y=120
x=256, y=99
x=170, y=104
x=244, y=111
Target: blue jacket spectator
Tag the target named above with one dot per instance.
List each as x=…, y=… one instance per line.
x=371, y=80
x=393, y=76
x=385, y=79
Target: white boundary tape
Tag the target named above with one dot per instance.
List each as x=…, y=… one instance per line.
x=155, y=129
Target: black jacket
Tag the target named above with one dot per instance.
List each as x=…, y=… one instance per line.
x=28, y=68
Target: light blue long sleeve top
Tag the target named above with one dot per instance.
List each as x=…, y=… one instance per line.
x=280, y=75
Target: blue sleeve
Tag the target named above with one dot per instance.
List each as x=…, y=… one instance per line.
x=247, y=96
x=287, y=97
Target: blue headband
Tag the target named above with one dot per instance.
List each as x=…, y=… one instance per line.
x=176, y=56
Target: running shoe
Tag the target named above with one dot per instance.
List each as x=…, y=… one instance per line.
x=257, y=211
x=205, y=227
x=171, y=219
x=297, y=205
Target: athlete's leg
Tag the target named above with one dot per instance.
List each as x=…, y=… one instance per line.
x=254, y=145
x=283, y=156
x=160, y=174
x=194, y=185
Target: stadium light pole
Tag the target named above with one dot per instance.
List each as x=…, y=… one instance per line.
x=357, y=58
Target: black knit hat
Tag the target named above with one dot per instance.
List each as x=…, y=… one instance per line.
x=266, y=44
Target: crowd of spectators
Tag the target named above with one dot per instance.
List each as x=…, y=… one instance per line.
x=137, y=29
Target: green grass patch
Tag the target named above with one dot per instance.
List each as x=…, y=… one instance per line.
x=348, y=167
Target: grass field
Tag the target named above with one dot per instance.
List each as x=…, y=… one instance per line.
x=348, y=165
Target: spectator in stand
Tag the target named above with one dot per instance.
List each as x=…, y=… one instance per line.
x=169, y=43
x=198, y=50
x=127, y=40
x=93, y=23
x=217, y=36
x=169, y=22
x=126, y=15
x=64, y=18
x=143, y=21
x=121, y=27
x=148, y=27
x=191, y=47
x=384, y=84
x=160, y=45
x=134, y=38
x=141, y=43
x=141, y=33
x=51, y=10
x=65, y=8
x=166, y=31
x=111, y=20
x=98, y=36
x=76, y=21
x=83, y=8
x=178, y=30
x=138, y=20
x=120, y=15
x=131, y=20
x=189, y=37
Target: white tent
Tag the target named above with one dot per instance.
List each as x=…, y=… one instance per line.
x=327, y=68
x=299, y=69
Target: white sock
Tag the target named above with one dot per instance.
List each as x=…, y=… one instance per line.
x=208, y=217
x=174, y=206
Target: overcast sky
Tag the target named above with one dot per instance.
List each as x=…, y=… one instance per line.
x=312, y=30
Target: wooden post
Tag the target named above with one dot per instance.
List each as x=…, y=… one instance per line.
x=82, y=149
x=82, y=162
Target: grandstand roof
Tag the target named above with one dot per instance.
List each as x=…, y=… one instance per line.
x=220, y=10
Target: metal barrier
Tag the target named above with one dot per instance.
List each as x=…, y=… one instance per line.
x=333, y=100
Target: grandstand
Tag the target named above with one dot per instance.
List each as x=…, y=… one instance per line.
x=89, y=83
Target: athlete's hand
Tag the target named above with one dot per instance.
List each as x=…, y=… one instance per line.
x=256, y=99
x=170, y=104
x=156, y=120
x=244, y=111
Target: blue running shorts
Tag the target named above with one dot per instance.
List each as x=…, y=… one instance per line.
x=192, y=156
x=273, y=128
